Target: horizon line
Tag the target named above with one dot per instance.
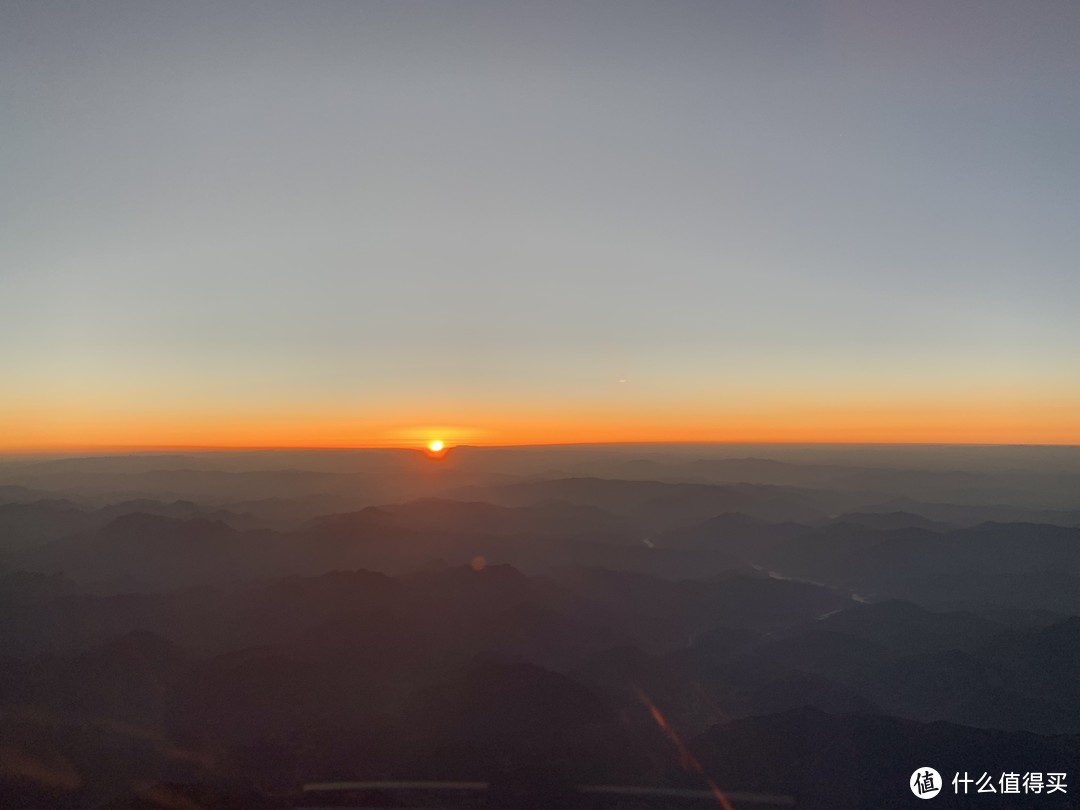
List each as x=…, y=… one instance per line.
x=136, y=449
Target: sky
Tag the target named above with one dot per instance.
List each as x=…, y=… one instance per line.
x=379, y=223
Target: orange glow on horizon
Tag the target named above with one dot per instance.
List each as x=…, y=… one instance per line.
x=67, y=427
x=436, y=448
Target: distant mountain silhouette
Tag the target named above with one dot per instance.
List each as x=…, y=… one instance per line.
x=659, y=506
x=893, y=520
x=216, y=628
x=558, y=518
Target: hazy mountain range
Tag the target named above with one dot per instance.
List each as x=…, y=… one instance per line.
x=803, y=628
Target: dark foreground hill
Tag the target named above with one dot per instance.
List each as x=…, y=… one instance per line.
x=814, y=643
x=463, y=672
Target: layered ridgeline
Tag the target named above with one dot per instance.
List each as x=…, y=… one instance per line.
x=816, y=630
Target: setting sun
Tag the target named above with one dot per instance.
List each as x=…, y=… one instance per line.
x=435, y=446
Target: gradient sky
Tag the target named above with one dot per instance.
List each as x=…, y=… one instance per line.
x=312, y=223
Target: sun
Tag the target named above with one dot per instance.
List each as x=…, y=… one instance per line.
x=435, y=445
